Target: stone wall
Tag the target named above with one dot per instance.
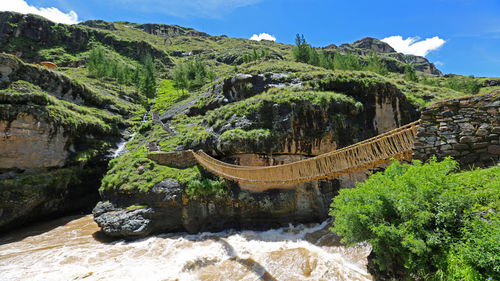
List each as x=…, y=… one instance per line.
x=468, y=129
x=176, y=159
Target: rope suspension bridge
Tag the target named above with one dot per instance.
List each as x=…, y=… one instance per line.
x=370, y=153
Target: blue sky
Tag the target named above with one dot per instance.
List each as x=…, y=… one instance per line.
x=469, y=28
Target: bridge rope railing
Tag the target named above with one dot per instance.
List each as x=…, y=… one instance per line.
x=372, y=152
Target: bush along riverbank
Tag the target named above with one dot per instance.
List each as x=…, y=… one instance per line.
x=425, y=221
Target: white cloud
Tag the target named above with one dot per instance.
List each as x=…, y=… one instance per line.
x=438, y=63
x=412, y=45
x=263, y=36
x=51, y=13
x=186, y=8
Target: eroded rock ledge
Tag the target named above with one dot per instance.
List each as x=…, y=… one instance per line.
x=166, y=208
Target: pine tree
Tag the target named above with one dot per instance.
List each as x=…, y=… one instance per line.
x=326, y=61
x=301, y=49
x=313, y=57
x=148, y=79
x=346, y=61
x=180, y=78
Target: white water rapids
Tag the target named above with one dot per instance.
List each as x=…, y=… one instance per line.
x=72, y=248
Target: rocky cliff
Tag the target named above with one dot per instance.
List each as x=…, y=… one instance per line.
x=170, y=30
x=55, y=135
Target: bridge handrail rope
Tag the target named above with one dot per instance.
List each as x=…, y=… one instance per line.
x=396, y=143
x=388, y=144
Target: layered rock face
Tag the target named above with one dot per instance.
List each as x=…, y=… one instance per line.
x=468, y=129
x=170, y=30
x=27, y=143
x=301, y=128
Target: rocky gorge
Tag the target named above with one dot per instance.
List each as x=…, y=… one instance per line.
x=108, y=117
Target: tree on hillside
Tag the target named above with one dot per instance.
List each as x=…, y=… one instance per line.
x=313, y=56
x=147, y=83
x=104, y=63
x=301, y=49
x=180, y=78
x=96, y=63
x=326, y=61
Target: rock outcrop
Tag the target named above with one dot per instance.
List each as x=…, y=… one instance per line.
x=27, y=143
x=368, y=45
x=167, y=209
x=99, y=24
x=59, y=85
x=170, y=30
x=373, y=44
x=237, y=88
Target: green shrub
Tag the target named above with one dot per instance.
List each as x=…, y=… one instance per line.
x=376, y=64
x=414, y=214
x=410, y=74
x=123, y=175
x=246, y=58
x=467, y=85
x=238, y=134
x=346, y=61
x=477, y=255
x=205, y=188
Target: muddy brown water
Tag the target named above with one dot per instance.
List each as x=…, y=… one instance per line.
x=73, y=248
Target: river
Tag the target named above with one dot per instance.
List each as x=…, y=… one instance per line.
x=73, y=248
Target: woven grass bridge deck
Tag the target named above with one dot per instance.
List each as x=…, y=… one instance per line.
x=369, y=153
